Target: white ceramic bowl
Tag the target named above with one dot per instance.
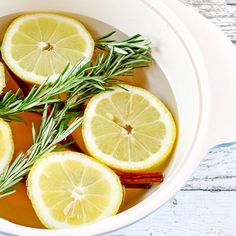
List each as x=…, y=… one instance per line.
x=179, y=78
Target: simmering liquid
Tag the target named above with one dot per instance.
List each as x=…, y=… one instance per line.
x=17, y=207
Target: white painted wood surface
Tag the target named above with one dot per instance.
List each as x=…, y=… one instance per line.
x=217, y=172
x=220, y=12
x=190, y=213
x=206, y=205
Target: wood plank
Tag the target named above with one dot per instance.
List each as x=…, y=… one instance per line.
x=189, y=214
x=217, y=172
x=220, y=12
x=231, y=2
x=210, y=2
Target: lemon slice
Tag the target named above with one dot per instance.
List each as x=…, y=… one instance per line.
x=128, y=130
x=69, y=189
x=36, y=46
x=6, y=145
x=2, y=78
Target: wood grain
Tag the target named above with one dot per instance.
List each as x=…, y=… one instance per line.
x=217, y=171
x=220, y=12
x=189, y=214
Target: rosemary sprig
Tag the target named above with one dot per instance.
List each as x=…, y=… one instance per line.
x=54, y=128
x=108, y=66
x=117, y=59
x=80, y=83
x=126, y=46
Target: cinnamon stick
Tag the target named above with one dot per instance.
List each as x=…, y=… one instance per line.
x=140, y=179
x=138, y=175
x=73, y=146
x=126, y=181
x=25, y=88
x=143, y=186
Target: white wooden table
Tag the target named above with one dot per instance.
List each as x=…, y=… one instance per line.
x=206, y=205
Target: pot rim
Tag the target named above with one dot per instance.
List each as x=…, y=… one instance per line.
x=197, y=148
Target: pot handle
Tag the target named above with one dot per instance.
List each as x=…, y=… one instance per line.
x=223, y=92
x=220, y=60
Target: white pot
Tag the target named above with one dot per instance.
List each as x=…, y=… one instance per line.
x=202, y=107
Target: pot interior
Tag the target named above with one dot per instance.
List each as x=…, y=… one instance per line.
x=172, y=78
x=151, y=78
